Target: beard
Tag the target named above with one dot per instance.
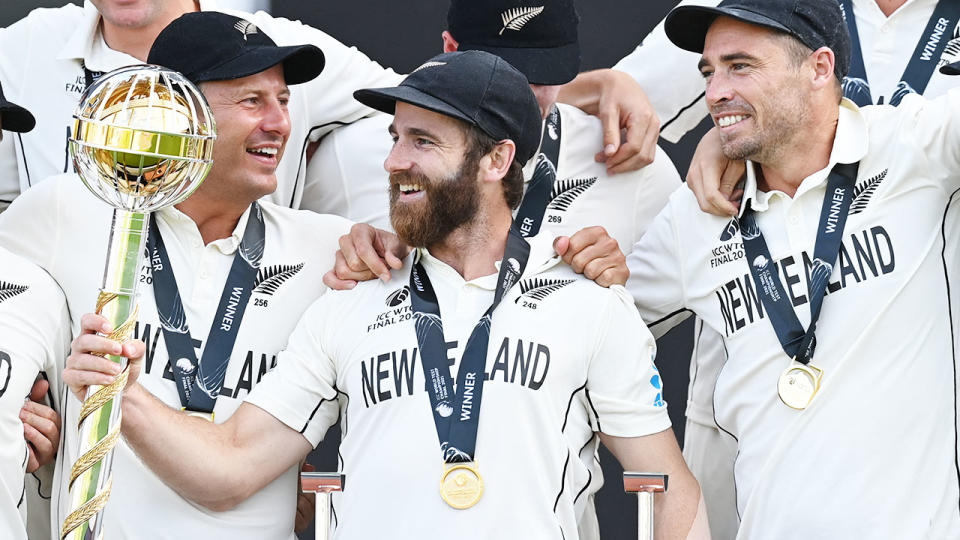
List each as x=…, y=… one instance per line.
x=449, y=203
x=784, y=114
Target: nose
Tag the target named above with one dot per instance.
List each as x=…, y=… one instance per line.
x=718, y=89
x=276, y=119
x=397, y=159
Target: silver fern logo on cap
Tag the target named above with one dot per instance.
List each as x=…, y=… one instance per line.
x=428, y=65
x=517, y=18
x=246, y=28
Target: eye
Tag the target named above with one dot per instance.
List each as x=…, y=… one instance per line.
x=423, y=142
x=284, y=101
x=252, y=100
x=706, y=73
x=739, y=66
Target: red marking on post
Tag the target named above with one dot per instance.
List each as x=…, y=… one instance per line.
x=634, y=482
x=314, y=482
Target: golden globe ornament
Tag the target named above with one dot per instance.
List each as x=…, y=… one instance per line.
x=142, y=139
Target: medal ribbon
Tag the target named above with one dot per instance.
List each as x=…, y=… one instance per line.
x=798, y=343
x=925, y=57
x=199, y=383
x=537, y=197
x=457, y=415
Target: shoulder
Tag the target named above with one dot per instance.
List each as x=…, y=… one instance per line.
x=48, y=20
x=305, y=222
x=21, y=278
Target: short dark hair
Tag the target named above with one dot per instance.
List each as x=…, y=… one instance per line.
x=798, y=52
x=480, y=144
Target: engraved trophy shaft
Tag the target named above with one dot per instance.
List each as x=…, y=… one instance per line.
x=142, y=140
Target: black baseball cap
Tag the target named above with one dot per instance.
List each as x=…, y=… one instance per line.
x=538, y=37
x=14, y=117
x=815, y=23
x=213, y=46
x=474, y=86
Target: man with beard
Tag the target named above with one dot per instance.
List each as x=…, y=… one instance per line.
x=217, y=241
x=843, y=208
x=381, y=354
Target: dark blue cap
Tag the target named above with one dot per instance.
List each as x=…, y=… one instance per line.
x=474, y=86
x=815, y=23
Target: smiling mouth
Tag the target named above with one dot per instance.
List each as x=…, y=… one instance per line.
x=409, y=189
x=263, y=152
x=727, y=121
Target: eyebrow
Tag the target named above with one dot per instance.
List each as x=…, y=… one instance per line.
x=416, y=132
x=728, y=58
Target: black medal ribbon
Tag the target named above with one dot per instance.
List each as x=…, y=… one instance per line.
x=199, y=383
x=457, y=415
x=798, y=343
x=537, y=197
x=925, y=59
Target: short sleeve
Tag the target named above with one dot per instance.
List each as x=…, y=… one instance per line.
x=301, y=390
x=623, y=386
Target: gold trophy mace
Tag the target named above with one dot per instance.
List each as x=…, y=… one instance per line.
x=142, y=140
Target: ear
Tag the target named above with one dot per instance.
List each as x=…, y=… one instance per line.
x=823, y=62
x=449, y=44
x=495, y=165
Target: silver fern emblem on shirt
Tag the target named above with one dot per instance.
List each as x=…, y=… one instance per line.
x=863, y=191
x=566, y=191
x=270, y=279
x=518, y=17
x=9, y=290
x=246, y=28
x=540, y=288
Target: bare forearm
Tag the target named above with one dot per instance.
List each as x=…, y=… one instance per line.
x=676, y=509
x=584, y=91
x=213, y=465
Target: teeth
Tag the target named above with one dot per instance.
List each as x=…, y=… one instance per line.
x=725, y=121
x=266, y=151
x=406, y=188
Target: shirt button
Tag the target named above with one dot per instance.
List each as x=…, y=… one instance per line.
x=204, y=274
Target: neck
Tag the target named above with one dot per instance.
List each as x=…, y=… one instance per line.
x=137, y=40
x=889, y=6
x=800, y=158
x=215, y=220
x=474, y=249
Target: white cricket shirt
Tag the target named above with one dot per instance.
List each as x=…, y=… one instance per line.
x=64, y=229
x=42, y=59
x=887, y=402
x=34, y=338
x=355, y=353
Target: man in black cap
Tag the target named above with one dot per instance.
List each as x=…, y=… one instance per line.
x=540, y=39
x=843, y=209
x=217, y=245
x=485, y=457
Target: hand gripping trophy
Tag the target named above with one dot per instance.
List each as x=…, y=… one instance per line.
x=142, y=140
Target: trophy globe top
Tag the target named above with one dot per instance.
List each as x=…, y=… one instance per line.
x=142, y=138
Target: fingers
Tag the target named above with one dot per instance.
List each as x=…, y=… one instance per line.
x=360, y=254
x=343, y=273
x=595, y=254
x=32, y=462
x=91, y=323
x=561, y=244
x=43, y=435
x=392, y=248
x=640, y=146
x=39, y=390
x=306, y=504
x=331, y=280
x=712, y=177
x=609, y=115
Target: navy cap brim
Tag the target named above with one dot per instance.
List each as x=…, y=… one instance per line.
x=301, y=63
x=687, y=26
x=951, y=69
x=15, y=118
x=385, y=100
x=545, y=66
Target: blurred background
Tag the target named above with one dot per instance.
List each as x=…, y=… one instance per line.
x=403, y=34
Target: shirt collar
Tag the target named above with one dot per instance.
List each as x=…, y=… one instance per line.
x=184, y=227
x=542, y=256
x=849, y=146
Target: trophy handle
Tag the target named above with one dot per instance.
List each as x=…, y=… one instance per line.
x=100, y=415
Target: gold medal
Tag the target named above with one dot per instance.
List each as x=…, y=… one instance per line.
x=461, y=485
x=798, y=385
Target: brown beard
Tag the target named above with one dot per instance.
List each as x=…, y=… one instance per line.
x=449, y=203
